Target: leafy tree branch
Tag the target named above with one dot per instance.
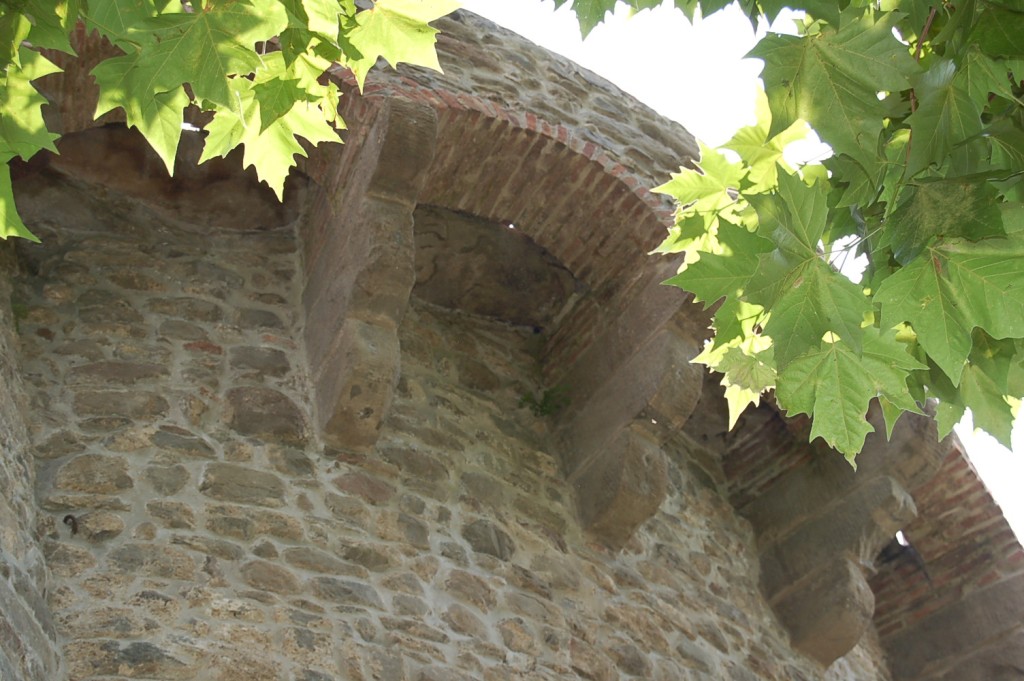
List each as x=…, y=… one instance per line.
x=922, y=106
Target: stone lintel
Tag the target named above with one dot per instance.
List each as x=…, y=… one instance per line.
x=827, y=611
x=930, y=647
x=360, y=270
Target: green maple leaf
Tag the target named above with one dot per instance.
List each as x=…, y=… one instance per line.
x=710, y=187
x=1007, y=145
x=158, y=116
x=984, y=385
x=830, y=79
x=946, y=115
x=51, y=23
x=718, y=275
x=953, y=287
x=271, y=149
x=22, y=128
x=1000, y=32
x=955, y=207
x=397, y=30
x=10, y=221
x=981, y=76
x=590, y=13
x=122, y=22
x=834, y=386
x=321, y=17
x=805, y=296
x=763, y=155
x=745, y=377
x=819, y=300
x=276, y=98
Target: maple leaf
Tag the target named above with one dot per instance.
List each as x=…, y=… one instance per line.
x=830, y=79
x=398, y=31
x=764, y=156
x=717, y=275
x=1000, y=32
x=951, y=207
x=805, y=296
x=22, y=128
x=590, y=13
x=745, y=377
x=946, y=115
x=953, y=287
x=10, y=221
x=271, y=149
x=834, y=386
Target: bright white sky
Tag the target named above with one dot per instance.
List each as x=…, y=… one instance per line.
x=697, y=75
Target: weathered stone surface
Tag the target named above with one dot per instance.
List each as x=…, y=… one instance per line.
x=166, y=480
x=346, y=592
x=230, y=482
x=314, y=560
x=462, y=620
x=622, y=488
x=266, y=414
x=123, y=373
x=952, y=632
x=357, y=385
x=100, y=526
x=95, y=473
x=153, y=560
x=138, y=405
x=486, y=537
x=183, y=442
x=371, y=489
x=260, y=574
x=264, y=361
x=827, y=611
x=485, y=268
x=471, y=589
x=172, y=514
x=136, y=659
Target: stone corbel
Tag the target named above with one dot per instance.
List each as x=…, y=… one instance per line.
x=612, y=442
x=359, y=252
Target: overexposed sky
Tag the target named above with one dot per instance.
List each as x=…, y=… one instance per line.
x=697, y=76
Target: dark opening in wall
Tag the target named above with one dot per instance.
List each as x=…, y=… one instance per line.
x=483, y=267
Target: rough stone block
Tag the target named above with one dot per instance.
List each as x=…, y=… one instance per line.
x=265, y=413
x=622, y=487
x=658, y=381
x=356, y=385
x=237, y=484
x=827, y=611
x=859, y=524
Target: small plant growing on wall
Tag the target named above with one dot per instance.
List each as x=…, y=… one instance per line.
x=550, y=402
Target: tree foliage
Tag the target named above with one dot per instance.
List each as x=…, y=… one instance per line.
x=255, y=67
x=921, y=104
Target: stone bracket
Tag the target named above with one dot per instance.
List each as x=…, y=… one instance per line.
x=359, y=249
x=612, y=441
x=820, y=525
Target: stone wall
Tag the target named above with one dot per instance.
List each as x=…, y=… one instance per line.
x=28, y=638
x=217, y=539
